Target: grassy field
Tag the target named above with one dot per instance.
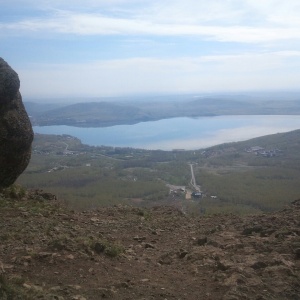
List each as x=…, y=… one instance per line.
x=251, y=180
x=241, y=181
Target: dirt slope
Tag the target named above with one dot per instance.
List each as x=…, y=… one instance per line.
x=48, y=252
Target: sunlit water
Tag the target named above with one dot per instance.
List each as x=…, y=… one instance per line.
x=179, y=133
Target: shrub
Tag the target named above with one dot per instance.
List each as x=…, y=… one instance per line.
x=14, y=192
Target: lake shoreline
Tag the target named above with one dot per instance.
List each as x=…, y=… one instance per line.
x=179, y=133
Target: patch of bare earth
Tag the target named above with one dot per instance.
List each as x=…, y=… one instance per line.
x=48, y=252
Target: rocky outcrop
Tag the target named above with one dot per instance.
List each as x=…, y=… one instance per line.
x=16, y=133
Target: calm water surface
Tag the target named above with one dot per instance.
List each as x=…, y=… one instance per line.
x=179, y=133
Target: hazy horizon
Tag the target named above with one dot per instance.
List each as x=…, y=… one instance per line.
x=132, y=47
x=254, y=95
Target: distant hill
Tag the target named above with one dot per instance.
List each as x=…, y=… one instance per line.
x=108, y=113
x=91, y=114
x=285, y=141
x=34, y=108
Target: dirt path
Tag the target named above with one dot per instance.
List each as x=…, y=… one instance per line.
x=193, y=180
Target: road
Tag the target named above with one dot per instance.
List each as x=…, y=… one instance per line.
x=193, y=180
x=67, y=146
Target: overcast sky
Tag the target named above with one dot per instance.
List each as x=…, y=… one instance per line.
x=102, y=48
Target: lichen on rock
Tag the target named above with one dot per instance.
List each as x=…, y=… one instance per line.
x=16, y=133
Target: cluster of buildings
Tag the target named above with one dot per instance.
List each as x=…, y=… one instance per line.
x=257, y=150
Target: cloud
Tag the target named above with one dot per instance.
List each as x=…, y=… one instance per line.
x=167, y=46
x=285, y=13
x=226, y=21
x=95, y=24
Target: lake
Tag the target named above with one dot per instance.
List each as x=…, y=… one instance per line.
x=179, y=133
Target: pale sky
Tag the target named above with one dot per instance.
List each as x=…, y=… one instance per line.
x=98, y=48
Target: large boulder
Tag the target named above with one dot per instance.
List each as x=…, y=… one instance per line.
x=16, y=133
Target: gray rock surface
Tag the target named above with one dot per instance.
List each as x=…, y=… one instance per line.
x=16, y=133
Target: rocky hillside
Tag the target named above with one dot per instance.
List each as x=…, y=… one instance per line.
x=48, y=252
